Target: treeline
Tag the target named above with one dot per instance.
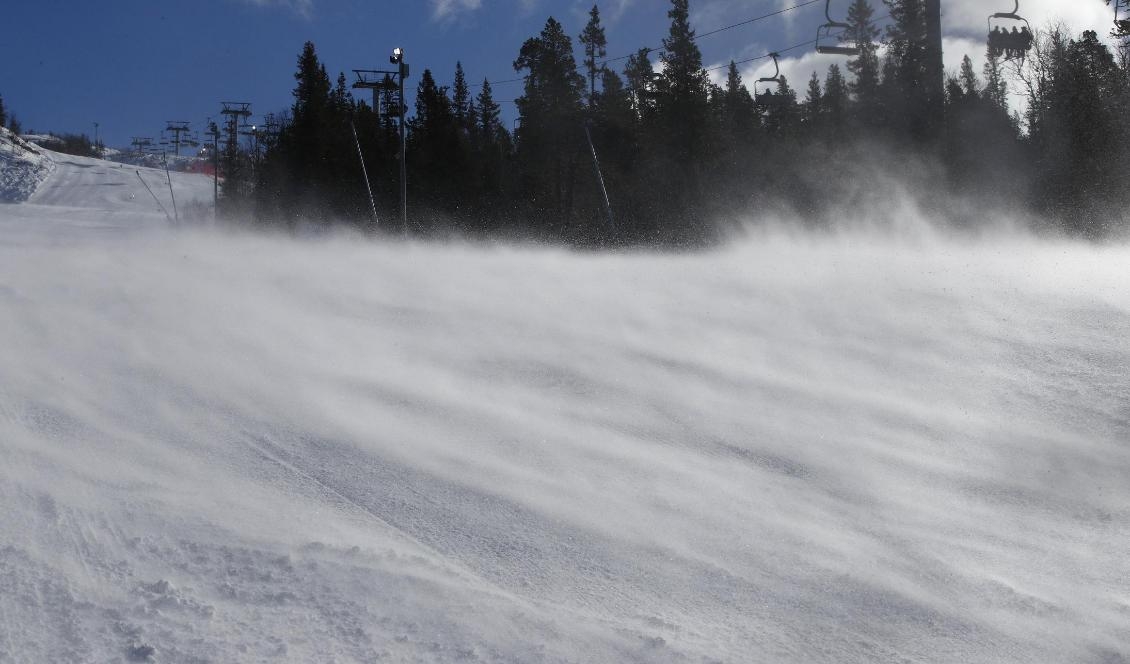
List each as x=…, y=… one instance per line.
x=680, y=155
x=8, y=119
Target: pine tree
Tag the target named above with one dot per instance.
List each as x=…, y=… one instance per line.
x=813, y=102
x=493, y=143
x=970, y=84
x=739, y=116
x=489, y=113
x=435, y=154
x=640, y=79
x=595, y=44
x=3, y=113
x=461, y=99
x=865, y=67
x=550, y=134
x=682, y=94
x=835, y=97
x=996, y=87
x=906, y=92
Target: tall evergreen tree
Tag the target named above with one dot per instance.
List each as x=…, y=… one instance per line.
x=640, y=78
x=461, y=103
x=682, y=94
x=813, y=102
x=494, y=143
x=970, y=85
x=906, y=90
x=595, y=44
x=549, y=109
x=489, y=113
x=864, y=67
x=3, y=113
x=835, y=97
x=996, y=87
x=435, y=154
x=739, y=115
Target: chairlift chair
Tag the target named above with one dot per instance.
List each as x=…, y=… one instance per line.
x=760, y=96
x=824, y=34
x=1003, y=46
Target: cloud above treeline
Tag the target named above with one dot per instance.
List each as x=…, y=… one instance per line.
x=446, y=9
x=303, y=8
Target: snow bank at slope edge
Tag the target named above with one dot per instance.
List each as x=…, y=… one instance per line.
x=23, y=167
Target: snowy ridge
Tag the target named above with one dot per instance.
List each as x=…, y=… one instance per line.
x=796, y=449
x=23, y=167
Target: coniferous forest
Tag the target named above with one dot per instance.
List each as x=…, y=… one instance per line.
x=682, y=158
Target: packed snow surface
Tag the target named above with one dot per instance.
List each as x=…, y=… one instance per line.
x=220, y=447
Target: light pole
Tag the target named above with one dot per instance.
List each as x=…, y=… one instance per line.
x=397, y=58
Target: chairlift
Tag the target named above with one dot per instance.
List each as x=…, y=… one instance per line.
x=1014, y=43
x=775, y=79
x=824, y=34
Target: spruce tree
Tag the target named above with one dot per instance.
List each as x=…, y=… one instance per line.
x=595, y=44
x=489, y=113
x=996, y=87
x=970, y=84
x=682, y=94
x=461, y=99
x=435, y=153
x=739, y=117
x=835, y=97
x=493, y=144
x=813, y=102
x=906, y=93
x=640, y=79
x=864, y=67
x=550, y=135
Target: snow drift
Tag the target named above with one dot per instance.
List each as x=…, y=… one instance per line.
x=794, y=449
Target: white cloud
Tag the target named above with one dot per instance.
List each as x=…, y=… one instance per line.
x=301, y=7
x=446, y=9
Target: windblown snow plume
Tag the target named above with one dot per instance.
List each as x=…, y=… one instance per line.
x=23, y=166
x=793, y=449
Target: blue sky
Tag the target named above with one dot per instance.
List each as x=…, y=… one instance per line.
x=131, y=65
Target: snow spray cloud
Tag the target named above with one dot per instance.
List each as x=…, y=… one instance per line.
x=790, y=449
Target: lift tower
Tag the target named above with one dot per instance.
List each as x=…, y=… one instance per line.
x=392, y=84
x=237, y=112
x=177, y=127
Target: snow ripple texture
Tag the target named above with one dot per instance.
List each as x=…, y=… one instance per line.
x=794, y=449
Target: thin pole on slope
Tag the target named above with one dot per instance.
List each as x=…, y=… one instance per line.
x=365, y=173
x=169, y=177
x=154, y=196
x=600, y=179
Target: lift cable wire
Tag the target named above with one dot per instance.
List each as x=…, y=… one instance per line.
x=696, y=37
x=766, y=56
x=810, y=42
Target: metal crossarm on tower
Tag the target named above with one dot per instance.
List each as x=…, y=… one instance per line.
x=177, y=127
x=236, y=112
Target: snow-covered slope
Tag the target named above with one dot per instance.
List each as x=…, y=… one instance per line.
x=40, y=176
x=23, y=166
x=794, y=449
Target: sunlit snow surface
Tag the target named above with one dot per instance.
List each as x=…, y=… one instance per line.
x=792, y=449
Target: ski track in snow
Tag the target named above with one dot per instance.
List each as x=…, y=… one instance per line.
x=220, y=447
